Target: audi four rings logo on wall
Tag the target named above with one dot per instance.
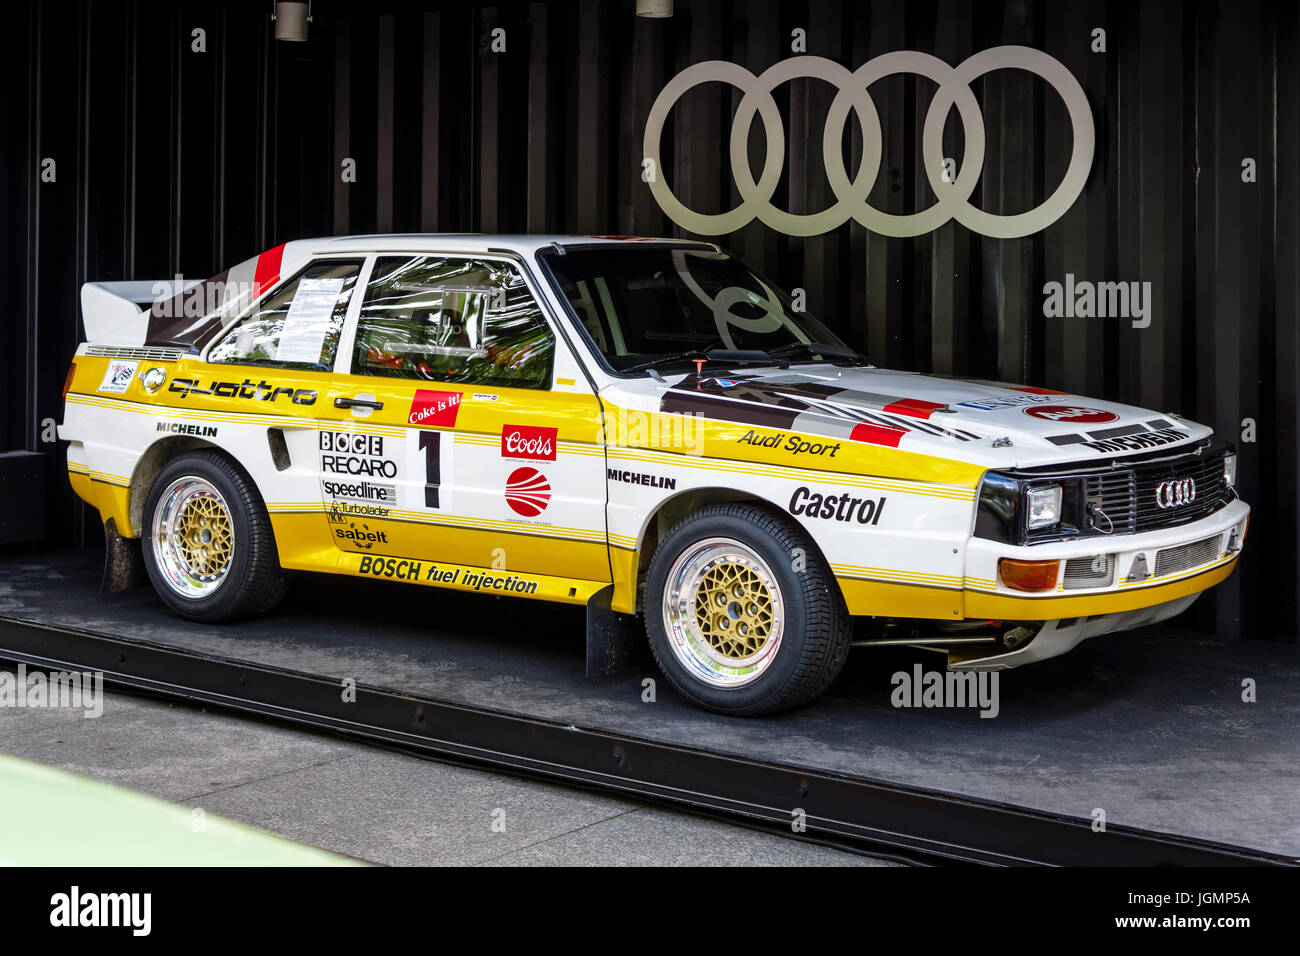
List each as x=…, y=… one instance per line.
x=851, y=195
x=1171, y=494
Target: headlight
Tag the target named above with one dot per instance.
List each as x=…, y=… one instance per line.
x=1229, y=470
x=1043, y=506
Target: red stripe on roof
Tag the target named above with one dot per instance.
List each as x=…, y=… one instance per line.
x=267, y=273
x=1036, y=391
x=917, y=408
x=877, y=434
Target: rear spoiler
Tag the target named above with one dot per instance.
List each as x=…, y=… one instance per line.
x=185, y=313
x=117, y=313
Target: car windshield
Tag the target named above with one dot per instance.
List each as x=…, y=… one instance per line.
x=664, y=306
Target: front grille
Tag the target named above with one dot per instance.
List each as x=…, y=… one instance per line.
x=1094, y=572
x=1127, y=497
x=1173, y=560
x=1205, y=470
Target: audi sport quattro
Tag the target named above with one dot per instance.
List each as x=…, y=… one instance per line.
x=646, y=426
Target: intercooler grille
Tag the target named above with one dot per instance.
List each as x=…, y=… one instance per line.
x=1173, y=560
x=146, y=353
x=1094, y=572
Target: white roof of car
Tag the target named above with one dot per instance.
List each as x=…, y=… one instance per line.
x=469, y=242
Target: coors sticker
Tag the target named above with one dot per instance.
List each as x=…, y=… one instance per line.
x=528, y=441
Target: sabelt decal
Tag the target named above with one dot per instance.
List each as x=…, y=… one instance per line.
x=360, y=536
x=1075, y=414
x=528, y=441
x=527, y=492
x=435, y=409
x=262, y=391
x=118, y=376
x=838, y=507
x=401, y=569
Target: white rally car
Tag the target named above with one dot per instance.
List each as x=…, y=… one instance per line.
x=637, y=425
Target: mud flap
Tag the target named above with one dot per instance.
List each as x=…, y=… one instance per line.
x=614, y=642
x=123, y=561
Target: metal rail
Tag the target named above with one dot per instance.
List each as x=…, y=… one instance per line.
x=851, y=812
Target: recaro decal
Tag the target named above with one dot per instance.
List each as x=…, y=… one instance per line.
x=257, y=391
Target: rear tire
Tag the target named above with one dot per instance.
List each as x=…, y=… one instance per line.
x=743, y=615
x=208, y=544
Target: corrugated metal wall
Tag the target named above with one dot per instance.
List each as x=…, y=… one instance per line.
x=171, y=160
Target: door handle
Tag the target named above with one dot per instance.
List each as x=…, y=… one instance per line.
x=343, y=402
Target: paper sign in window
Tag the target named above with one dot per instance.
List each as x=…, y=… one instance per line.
x=308, y=321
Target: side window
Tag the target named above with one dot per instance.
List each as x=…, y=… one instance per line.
x=297, y=326
x=452, y=320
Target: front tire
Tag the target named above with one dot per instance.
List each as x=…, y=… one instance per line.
x=208, y=544
x=743, y=616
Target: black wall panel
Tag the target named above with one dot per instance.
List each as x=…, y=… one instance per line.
x=174, y=161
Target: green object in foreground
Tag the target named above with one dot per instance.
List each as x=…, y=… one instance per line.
x=50, y=817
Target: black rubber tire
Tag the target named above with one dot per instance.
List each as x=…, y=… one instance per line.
x=818, y=628
x=255, y=582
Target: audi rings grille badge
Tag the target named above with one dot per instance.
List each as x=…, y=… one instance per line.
x=1171, y=494
x=953, y=197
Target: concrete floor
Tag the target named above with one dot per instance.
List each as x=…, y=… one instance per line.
x=375, y=805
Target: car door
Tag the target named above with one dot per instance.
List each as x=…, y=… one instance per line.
x=479, y=449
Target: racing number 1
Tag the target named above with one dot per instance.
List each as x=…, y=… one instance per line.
x=431, y=445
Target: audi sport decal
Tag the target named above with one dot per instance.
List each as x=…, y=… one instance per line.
x=796, y=445
x=1071, y=413
x=536, y=443
x=436, y=409
x=527, y=492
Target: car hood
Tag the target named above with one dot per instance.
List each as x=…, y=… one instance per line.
x=987, y=423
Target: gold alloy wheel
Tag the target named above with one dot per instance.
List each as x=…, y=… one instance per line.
x=733, y=610
x=723, y=612
x=193, y=537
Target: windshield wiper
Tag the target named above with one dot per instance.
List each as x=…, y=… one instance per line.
x=823, y=350
x=717, y=356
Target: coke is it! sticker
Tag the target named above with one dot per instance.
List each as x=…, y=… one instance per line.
x=437, y=409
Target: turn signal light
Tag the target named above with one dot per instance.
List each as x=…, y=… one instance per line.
x=67, y=382
x=1028, y=575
